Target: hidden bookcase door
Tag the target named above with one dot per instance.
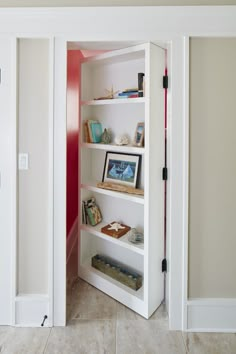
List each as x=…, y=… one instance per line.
x=117, y=72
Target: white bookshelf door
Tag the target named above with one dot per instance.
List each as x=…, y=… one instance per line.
x=119, y=69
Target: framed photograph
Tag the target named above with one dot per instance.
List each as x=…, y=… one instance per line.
x=139, y=135
x=121, y=168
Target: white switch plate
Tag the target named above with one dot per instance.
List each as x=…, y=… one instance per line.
x=23, y=161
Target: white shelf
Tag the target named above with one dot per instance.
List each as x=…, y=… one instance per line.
x=101, y=280
x=91, y=186
x=115, y=148
x=122, y=241
x=114, y=101
x=117, y=56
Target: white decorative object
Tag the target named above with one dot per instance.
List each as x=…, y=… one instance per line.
x=116, y=226
x=122, y=140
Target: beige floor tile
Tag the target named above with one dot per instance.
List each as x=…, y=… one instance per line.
x=210, y=343
x=160, y=315
x=4, y=334
x=136, y=337
x=89, y=303
x=124, y=313
x=23, y=340
x=83, y=337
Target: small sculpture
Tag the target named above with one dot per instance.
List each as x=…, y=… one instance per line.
x=106, y=136
x=135, y=237
x=116, y=226
x=110, y=95
x=122, y=140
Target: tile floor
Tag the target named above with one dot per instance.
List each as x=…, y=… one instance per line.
x=98, y=324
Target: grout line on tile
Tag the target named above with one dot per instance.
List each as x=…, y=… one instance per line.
x=46, y=344
x=116, y=335
x=116, y=326
x=185, y=345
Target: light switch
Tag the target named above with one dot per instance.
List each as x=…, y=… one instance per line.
x=23, y=161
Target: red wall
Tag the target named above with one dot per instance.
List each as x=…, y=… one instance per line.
x=73, y=77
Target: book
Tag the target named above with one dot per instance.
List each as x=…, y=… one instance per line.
x=135, y=89
x=91, y=213
x=86, y=132
x=96, y=131
x=127, y=93
x=90, y=121
x=92, y=131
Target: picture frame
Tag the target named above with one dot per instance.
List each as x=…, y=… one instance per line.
x=122, y=168
x=139, y=134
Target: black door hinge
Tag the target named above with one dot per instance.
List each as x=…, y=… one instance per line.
x=165, y=81
x=164, y=173
x=164, y=265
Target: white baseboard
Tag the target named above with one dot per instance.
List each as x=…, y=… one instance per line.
x=211, y=315
x=71, y=239
x=31, y=309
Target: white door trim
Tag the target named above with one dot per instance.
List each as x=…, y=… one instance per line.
x=14, y=177
x=185, y=182
x=59, y=284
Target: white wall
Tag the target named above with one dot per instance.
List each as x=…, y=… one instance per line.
x=212, y=199
x=33, y=184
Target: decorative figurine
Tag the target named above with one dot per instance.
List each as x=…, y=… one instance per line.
x=122, y=140
x=116, y=226
x=106, y=136
x=134, y=236
x=110, y=95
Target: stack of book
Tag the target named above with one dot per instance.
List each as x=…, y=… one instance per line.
x=91, y=213
x=128, y=93
x=92, y=131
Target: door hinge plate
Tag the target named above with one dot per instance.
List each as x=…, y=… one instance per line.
x=164, y=173
x=164, y=265
x=165, y=81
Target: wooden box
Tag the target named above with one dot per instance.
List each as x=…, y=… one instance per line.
x=114, y=233
x=117, y=271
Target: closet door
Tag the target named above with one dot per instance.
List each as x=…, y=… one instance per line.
x=7, y=173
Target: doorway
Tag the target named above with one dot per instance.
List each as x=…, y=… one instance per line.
x=76, y=137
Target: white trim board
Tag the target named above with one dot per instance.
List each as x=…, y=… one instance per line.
x=71, y=239
x=211, y=315
x=59, y=256
x=92, y=23
x=31, y=309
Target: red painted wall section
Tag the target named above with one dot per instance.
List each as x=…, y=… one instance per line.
x=73, y=80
